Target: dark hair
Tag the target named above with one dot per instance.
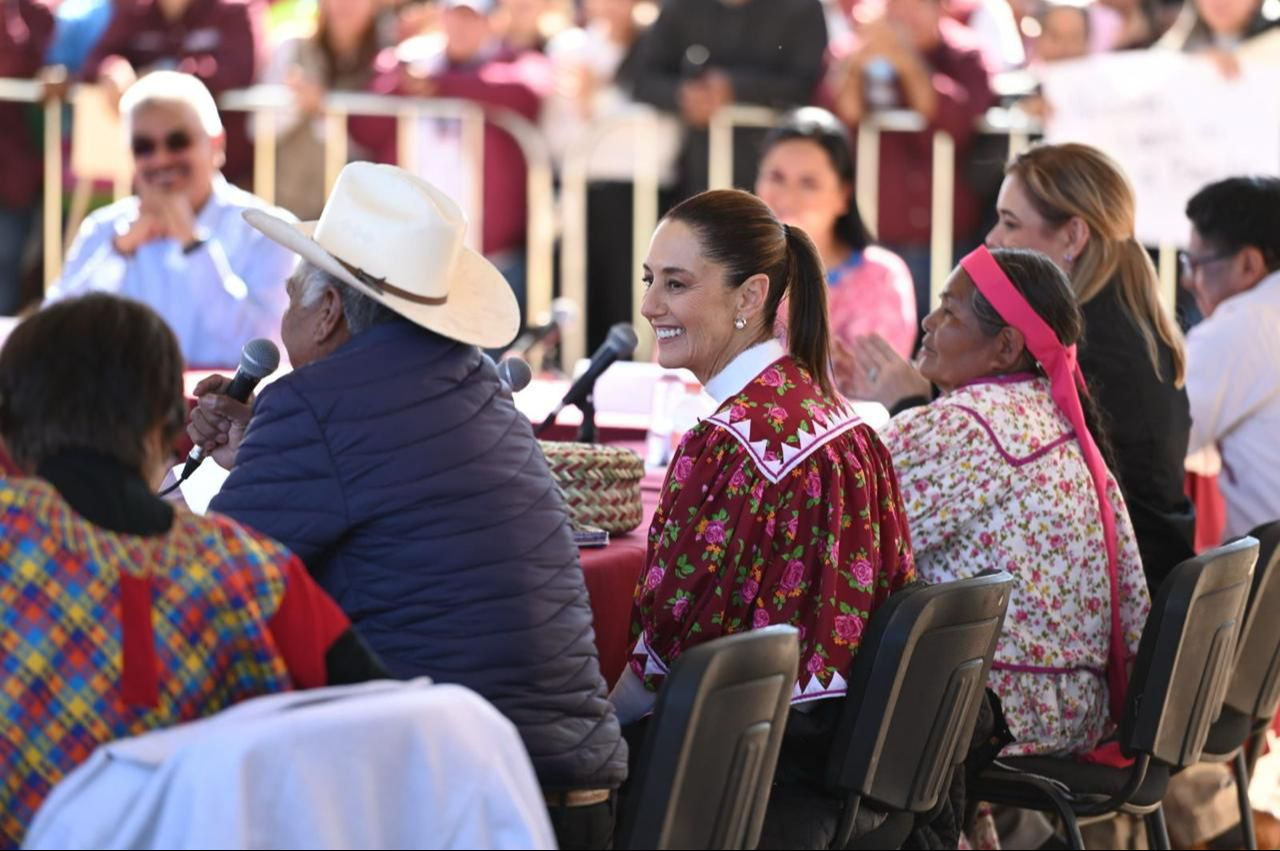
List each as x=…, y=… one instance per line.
x=94, y=372
x=1044, y=286
x=1190, y=32
x=1239, y=213
x=814, y=124
x=739, y=232
x=1048, y=292
x=371, y=43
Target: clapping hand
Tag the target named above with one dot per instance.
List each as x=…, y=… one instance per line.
x=882, y=375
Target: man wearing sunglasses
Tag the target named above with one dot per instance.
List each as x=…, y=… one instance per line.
x=1233, y=356
x=181, y=245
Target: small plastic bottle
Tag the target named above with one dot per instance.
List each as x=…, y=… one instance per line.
x=667, y=392
x=881, y=81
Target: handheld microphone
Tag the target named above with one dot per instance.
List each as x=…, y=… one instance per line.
x=620, y=343
x=515, y=373
x=258, y=359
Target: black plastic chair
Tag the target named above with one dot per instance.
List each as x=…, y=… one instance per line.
x=1254, y=693
x=1175, y=694
x=704, y=771
x=914, y=693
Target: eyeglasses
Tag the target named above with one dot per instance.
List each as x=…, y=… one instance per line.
x=1190, y=264
x=175, y=142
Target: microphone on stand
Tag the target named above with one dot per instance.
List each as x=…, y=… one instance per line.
x=258, y=359
x=620, y=343
x=547, y=335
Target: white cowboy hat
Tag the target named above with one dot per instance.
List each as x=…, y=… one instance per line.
x=398, y=240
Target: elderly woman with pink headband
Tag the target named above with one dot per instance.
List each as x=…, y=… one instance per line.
x=1006, y=470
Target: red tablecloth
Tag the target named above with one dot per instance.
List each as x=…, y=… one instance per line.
x=611, y=573
x=1211, y=510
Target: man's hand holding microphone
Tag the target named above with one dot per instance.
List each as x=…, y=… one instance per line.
x=224, y=405
x=218, y=422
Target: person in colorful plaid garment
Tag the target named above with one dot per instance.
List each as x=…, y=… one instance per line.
x=121, y=613
x=782, y=507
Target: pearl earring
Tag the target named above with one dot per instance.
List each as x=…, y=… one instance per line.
x=739, y=323
x=1068, y=257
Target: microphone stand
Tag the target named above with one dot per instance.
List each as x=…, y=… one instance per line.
x=587, y=431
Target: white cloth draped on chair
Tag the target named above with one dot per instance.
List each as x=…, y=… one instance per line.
x=377, y=765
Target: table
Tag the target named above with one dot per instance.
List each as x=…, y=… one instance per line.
x=535, y=402
x=611, y=574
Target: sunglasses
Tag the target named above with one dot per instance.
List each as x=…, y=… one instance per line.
x=175, y=142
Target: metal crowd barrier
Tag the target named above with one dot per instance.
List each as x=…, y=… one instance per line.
x=642, y=119
x=1019, y=127
x=867, y=181
x=642, y=122
x=265, y=102
x=32, y=91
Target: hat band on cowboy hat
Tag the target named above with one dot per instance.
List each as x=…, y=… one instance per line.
x=381, y=285
x=399, y=240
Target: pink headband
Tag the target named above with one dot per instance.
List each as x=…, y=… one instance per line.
x=1065, y=381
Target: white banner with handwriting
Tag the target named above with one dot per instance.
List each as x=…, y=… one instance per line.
x=1173, y=121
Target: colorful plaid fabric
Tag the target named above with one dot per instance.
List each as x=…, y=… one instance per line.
x=214, y=588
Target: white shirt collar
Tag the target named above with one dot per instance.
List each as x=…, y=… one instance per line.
x=1266, y=291
x=746, y=366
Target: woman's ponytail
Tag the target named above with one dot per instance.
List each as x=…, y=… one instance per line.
x=808, y=328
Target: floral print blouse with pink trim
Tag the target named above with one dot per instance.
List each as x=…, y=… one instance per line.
x=992, y=477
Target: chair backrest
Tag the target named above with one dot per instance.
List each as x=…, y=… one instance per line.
x=1186, y=653
x=706, y=766
x=915, y=690
x=1255, y=683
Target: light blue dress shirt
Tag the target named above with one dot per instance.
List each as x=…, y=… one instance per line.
x=216, y=298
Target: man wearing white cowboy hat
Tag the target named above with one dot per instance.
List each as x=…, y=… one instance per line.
x=394, y=464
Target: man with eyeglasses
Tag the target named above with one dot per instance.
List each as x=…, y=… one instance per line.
x=1233, y=356
x=181, y=245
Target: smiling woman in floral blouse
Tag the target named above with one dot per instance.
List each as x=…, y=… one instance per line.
x=1004, y=471
x=782, y=507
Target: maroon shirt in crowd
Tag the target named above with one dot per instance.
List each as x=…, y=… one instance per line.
x=514, y=81
x=962, y=82
x=26, y=26
x=218, y=41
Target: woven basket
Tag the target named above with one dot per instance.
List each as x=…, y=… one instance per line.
x=601, y=484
